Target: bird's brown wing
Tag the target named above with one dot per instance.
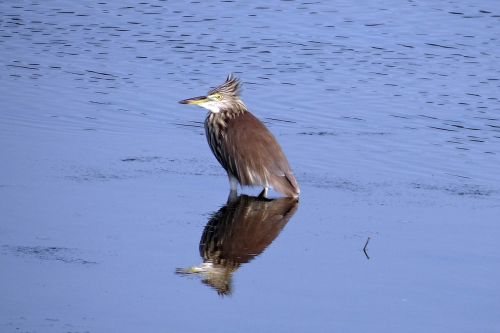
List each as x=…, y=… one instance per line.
x=258, y=158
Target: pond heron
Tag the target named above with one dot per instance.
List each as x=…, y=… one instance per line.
x=242, y=144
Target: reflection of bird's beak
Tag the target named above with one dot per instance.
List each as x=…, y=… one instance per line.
x=195, y=100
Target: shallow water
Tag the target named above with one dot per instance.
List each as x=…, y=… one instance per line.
x=114, y=213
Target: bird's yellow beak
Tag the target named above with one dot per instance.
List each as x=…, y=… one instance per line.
x=195, y=100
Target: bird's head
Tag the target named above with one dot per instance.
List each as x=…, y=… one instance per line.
x=224, y=97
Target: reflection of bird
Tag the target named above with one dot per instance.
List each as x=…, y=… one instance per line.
x=242, y=144
x=237, y=233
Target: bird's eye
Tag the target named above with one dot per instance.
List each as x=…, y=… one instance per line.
x=218, y=97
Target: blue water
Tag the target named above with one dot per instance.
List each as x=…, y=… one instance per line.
x=110, y=198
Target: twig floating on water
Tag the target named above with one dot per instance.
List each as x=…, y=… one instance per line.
x=364, y=248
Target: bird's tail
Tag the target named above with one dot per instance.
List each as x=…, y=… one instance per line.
x=286, y=185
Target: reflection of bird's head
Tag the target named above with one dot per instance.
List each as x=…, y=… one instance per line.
x=224, y=97
x=217, y=276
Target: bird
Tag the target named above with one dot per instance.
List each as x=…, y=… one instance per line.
x=242, y=144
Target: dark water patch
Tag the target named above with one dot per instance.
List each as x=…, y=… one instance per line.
x=441, y=46
x=21, y=66
x=100, y=73
x=373, y=133
x=281, y=120
x=134, y=167
x=195, y=124
x=327, y=182
x=318, y=133
x=442, y=129
x=101, y=103
x=352, y=118
x=399, y=116
x=93, y=175
x=144, y=159
x=463, y=127
x=52, y=253
x=466, y=190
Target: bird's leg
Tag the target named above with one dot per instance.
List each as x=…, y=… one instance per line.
x=263, y=193
x=232, y=197
x=233, y=182
x=233, y=192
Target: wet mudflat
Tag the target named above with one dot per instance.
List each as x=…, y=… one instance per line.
x=113, y=210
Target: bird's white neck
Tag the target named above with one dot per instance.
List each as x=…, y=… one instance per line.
x=212, y=106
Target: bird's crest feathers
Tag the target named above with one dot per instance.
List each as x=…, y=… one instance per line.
x=232, y=87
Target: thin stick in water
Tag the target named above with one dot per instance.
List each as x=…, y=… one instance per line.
x=364, y=248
